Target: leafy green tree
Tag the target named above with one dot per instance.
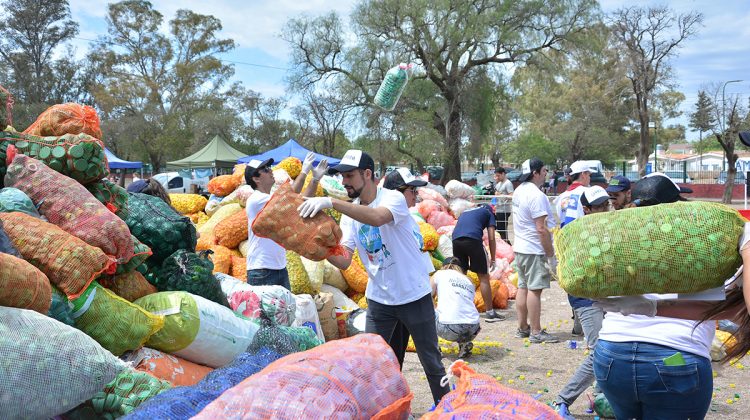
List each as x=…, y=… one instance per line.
x=31, y=32
x=157, y=91
x=648, y=47
x=451, y=40
x=702, y=119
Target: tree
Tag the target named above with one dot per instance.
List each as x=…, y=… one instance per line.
x=730, y=121
x=162, y=89
x=451, y=40
x=645, y=36
x=702, y=119
x=31, y=32
x=326, y=114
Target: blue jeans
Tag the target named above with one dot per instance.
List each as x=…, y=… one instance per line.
x=267, y=277
x=639, y=385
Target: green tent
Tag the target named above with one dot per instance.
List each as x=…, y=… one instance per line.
x=216, y=154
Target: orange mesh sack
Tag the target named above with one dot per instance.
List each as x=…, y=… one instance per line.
x=205, y=242
x=481, y=396
x=129, y=286
x=177, y=371
x=222, y=259
x=69, y=263
x=355, y=275
x=313, y=238
x=67, y=204
x=479, y=300
x=239, y=268
x=69, y=118
x=23, y=286
x=500, y=296
x=223, y=185
x=232, y=230
x=352, y=378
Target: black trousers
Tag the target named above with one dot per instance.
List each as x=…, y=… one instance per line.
x=418, y=318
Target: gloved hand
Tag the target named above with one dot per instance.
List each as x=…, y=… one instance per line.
x=628, y=305
x=552, y=263
x=307, y=164
x=320, y=170
x=313, y=205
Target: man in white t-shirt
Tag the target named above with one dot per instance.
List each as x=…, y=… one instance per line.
x=378, y=225
x=533, y=249
x=504, y=206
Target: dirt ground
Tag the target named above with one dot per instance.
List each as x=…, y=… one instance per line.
x=543, y=369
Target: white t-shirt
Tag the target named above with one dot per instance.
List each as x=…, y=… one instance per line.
x=455, y=298
x=504, y=203
x=261, y=252
x=568, y=205
x=529, y=202
x=391, y=253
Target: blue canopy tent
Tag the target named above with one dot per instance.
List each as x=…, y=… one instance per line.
x=117, y=163
x=290, y=148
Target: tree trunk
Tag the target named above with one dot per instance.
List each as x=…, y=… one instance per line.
x=645, y=138
x=731, y=173
x=452, y=156
x=495, y=158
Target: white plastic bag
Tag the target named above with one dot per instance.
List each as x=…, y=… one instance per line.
x=459, y=205
x=275, y=303
x=332, y=276
x=445, y=246
x=340, y=300
x=198, y=329
x=457, y=189
x=307, y=315
x=333, y=188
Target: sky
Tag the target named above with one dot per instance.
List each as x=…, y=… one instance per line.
x=720, y=52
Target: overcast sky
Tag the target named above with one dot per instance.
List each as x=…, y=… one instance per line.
x=720, y=52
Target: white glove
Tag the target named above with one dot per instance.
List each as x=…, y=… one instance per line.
x=313, y=205
x=493, y=266
x=307, y=164
x=552, y=264
x=628, y=305
x=320, y=170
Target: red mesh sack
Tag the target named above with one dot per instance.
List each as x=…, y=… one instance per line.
x=78, y=156
x=504, y=250
x=23, y=286
x=352, y=378
x=223, y=185
x=430, y=194
x=314, y=238
x=70, y=263
x=129, y=286
x=67, y=204
x=177, y=371
x=439, y=219
x=481, y=396
x=69, y=118
x=232, y=230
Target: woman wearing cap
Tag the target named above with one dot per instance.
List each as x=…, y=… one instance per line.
x=653, y=366
x=457, y=318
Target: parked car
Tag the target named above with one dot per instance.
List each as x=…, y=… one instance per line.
x=679, y=177
x=174, y=183
x=739, y=178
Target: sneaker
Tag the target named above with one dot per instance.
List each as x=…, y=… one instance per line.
x=492, y=316
x=464, y=349
x=523, y=333
x=543, y=337
x=562, y=410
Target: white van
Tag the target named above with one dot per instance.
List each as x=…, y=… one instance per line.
x=176, y=184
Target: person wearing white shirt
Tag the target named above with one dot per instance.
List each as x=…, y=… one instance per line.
x=378, y=225
x=457, y=317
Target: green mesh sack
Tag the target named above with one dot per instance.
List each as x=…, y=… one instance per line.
x=159, y=226
x=284, y=340
x=115, y=323
x=126, y=392
x=78, y=156
x=682, y=247
x=141, y=252
x=61, y=309
x=602, y=407
x=113, y=196
x=187, y=271
x=13, y=199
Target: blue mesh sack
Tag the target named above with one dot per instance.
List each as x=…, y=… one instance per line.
x=187, y=401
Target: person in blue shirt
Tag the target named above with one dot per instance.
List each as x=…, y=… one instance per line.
x=469, y=249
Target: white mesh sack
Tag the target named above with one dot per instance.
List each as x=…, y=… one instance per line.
x=47, y=367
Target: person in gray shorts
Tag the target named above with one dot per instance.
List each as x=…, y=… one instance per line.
x=457, y=318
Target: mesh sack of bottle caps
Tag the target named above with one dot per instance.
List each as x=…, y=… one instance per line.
x=682, y=247
x=159, y=226
x=113, y=196
x=190, y=272
x=392, y=87
x=78, y=156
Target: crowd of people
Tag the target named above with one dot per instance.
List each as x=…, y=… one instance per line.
x=649, y=356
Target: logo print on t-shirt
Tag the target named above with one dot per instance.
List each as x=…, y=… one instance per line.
x=369, y=237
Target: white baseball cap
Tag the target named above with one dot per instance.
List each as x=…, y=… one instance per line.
x=594, y=196
x=578, y=167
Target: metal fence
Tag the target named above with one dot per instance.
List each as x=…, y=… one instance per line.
x=681, y=172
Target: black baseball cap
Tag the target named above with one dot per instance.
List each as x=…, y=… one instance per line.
x=529, y=167
x=402, y=177
x=353, y=159
x=745, y=137
x=618, y=183
x=657, y=188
